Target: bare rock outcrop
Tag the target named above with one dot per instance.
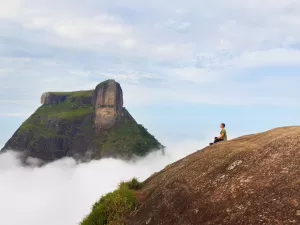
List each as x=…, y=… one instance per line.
x=108, y=102
x=50, y=98
x=251, y=180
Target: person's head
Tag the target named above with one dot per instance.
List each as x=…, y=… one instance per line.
x=222, y=125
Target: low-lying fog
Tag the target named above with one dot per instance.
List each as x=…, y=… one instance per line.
x=62, y=193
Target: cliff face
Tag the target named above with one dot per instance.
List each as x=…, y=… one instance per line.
x=108, y=103
x=52, y=98
x=84, y=125
x=249, y=180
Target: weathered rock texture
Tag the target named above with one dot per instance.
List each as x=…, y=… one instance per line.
x=108, y=102
x=84, y=125
x=53, y=98
x=50, y=98
x=253, y=180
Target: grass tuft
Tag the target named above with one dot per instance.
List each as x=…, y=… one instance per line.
x=114, y=206
x=134, y=184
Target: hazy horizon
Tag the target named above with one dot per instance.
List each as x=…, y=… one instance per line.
x=184, y=67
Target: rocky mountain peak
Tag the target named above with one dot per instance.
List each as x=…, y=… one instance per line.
x=85, y=125
x=108, y=102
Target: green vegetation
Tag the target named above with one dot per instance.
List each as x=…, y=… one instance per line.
x=47, y=118
x=65, y=111
x=129, y=138
x=114, y=206
x=74, y=94
x=134, y=184
x=103, y=83
x=67, y=125
x=73, y=107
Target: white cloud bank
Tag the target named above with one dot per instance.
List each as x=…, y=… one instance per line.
x=198, y=47
x=62, y=192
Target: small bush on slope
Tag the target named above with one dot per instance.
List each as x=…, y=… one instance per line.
x=134, y=184
x=112, y=207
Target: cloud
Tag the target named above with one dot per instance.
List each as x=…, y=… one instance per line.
x=171, y=51
x=15, y=114
x=62, y=192
x=157, y=33
x=15, y=102
x=197, y=48
x=237, y=93
x=226, y=53
x=10, y=10
x=274, y=57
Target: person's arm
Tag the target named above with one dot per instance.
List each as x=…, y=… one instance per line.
x=222, y=135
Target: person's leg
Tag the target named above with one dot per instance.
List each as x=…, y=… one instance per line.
x=218, y=140
x=214, y=141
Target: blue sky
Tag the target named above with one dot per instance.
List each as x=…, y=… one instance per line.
x=185, y=66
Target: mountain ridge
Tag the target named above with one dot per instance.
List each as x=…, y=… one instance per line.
x=84, y=125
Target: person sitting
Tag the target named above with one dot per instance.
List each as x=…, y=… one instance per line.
x=223, y=135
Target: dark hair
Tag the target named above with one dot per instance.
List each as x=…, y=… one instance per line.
x=223, y=124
